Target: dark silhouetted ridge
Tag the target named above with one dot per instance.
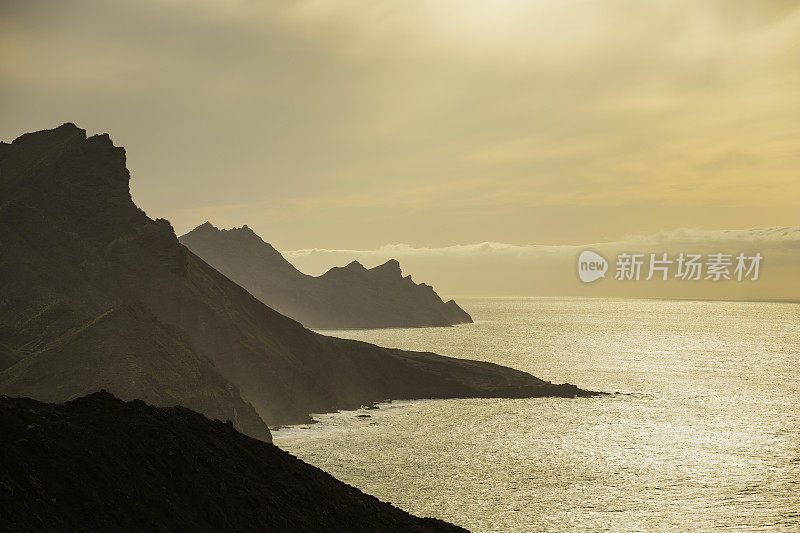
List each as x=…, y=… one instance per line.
x=100, y=464
x=96, y=294
x=350, y=296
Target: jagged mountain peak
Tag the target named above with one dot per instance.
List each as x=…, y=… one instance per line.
x=57, y=141
x=64, y=131
x=246, y=232
x=207, y=236
x=353, y=267
x=391, y=267
x=93, y=165
x=344, y=296
x=99, y=397
x=207, y=228
x=84, y=184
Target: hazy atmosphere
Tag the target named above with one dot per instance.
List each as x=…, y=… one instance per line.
x=356, y=125
x=499, y=269
x=382, y=266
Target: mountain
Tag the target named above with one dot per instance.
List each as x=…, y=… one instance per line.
x=100, y=464
x=94, y=293
x=74, y=253
x=130, y=351
x=344, y=297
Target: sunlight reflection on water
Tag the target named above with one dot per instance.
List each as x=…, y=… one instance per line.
x=707, y=436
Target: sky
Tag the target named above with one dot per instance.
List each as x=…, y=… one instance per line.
x=363, y=124
x=502, y=269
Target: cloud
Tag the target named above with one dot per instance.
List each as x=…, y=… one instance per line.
x=347, y=121
x=492, y=268
x=779, y=237
x=769, y=238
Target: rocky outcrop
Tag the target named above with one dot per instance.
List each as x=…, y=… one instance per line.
x=100, y=464
x=344, y=297
x=76, y=255
x=75, y=248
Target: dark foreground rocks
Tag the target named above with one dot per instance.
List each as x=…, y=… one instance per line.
x=100, y=464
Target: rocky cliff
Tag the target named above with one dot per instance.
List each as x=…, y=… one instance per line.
x=95, y=293
x=344, y=297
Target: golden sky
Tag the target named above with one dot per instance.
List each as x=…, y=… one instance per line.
x=501, y=269
x=362, y=123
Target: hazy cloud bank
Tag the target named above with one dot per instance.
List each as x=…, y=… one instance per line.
x=494, y=268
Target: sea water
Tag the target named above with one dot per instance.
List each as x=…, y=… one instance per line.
x=702, y=431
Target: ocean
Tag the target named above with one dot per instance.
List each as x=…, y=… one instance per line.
x=701, y=431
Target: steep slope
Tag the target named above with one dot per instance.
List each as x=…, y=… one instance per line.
x=129, y=351
x=344, y=297
x=74, y=246
x=99, y=464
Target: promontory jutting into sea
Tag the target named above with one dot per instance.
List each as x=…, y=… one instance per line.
x=399, y=266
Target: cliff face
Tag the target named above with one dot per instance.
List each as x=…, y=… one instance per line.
x=74, y=248
x=78, y=260
x=344, y=297
x=100, y=464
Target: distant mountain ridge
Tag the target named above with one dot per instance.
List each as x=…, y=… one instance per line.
x=344, y=297
x=93, y=294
